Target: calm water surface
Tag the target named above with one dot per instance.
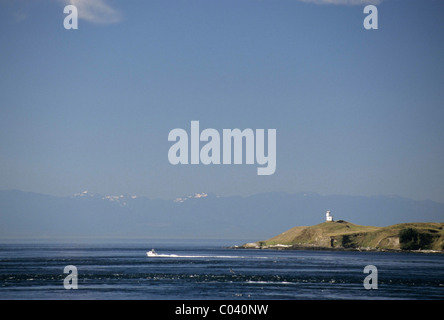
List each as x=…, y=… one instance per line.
x=193, y=270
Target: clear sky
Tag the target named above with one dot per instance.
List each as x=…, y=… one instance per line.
x=357, y=112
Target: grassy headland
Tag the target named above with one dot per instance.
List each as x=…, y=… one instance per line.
x=344, y=235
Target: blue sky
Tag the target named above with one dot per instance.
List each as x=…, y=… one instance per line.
x=357, y=112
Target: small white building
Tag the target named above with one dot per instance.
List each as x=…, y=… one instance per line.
x=328, y=216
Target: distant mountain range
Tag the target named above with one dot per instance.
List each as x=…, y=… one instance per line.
x=202, y=215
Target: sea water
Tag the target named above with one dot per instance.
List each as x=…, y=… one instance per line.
x=186, y=270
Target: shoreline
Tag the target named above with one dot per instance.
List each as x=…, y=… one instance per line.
x=279, y=247
x=417, y=237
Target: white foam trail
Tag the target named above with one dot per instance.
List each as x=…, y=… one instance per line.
x=192, y=256
x=268, y=282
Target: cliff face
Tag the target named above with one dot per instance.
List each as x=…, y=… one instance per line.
x=345, y=235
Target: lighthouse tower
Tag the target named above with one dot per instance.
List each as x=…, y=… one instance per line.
x=328, y=216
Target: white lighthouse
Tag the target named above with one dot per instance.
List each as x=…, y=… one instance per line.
x=328, y=216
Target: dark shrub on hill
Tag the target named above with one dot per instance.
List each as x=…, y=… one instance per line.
x=412, y=239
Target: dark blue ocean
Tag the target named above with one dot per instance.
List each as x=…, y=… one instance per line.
x=209, y=270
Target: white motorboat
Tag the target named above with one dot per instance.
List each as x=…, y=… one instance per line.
x=151, y=253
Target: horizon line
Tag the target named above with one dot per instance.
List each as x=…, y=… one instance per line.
x=305, y=193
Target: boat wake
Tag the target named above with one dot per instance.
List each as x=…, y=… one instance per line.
x=153, y=254
x=161, y=255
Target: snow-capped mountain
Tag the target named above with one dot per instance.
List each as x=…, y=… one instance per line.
x=200, y=215
x=121, y=199
x=86, y=194
x=193, y=196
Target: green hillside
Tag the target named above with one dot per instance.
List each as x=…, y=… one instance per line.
x=345, y=235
